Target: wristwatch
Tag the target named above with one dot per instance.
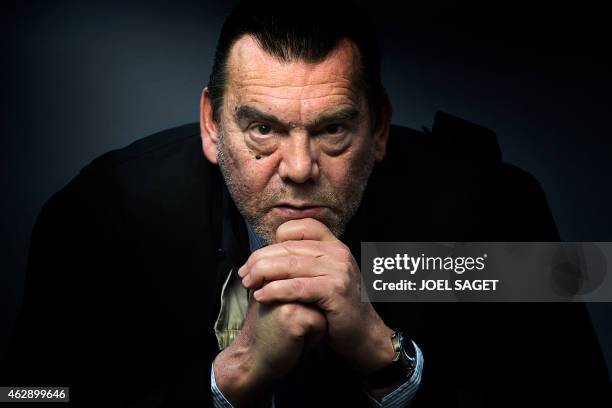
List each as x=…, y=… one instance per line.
x=403, y=365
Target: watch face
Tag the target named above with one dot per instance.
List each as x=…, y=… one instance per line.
x=407, y=352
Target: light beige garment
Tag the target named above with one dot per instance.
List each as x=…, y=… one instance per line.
x=234, y=304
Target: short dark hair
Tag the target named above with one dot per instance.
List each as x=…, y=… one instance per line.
x=310, y=34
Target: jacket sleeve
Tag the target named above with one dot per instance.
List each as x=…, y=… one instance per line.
x=561, y=363
x=505, y=354
x=80, y=323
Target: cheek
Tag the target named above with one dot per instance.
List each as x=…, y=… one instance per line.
x=337, y=170
x=258, y=174
x=252, y=173
x=345, y=172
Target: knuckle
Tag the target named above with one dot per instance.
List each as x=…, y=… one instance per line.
x=343, y=272
x=259, y=264
x=304, y=322
x=297, y=330
x=316, y=321
x=340, y=286
x=345, y=254
x=265, y=266
x=256, y=269
x=297, y=287
x=293, y=262
x=287, y=311
x=253, y=259
x=345, y=268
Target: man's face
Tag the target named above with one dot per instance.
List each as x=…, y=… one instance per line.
x=295, y=139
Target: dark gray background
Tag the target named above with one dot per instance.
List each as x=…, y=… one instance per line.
x=82, y=78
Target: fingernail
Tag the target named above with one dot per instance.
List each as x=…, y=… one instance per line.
x=246, y=280
x=257, y=294
x=241, y=271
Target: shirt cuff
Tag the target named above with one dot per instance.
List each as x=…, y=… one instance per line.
x=219, y=400
x=401, y=396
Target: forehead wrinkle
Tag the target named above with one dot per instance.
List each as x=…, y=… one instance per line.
x=296, y=94
x=306, y=73
x=295, y=89
x=336, y=91
x=287, y=98
x=271, y=82
x=295, y=74
x=267, y=97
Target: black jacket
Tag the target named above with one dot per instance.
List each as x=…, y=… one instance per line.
x=126, y=264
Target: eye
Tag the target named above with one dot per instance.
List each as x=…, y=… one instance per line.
x=263, y=129
x=334, y=129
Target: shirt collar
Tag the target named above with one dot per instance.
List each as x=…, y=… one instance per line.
x=255, y=241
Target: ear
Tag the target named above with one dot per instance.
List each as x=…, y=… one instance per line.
x=208, y=127
x=383, y=127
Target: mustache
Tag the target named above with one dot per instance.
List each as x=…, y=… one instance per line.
x=310, y=194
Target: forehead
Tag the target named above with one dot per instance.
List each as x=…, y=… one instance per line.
x=254, y=76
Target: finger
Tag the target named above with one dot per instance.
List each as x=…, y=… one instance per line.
x=302, y=229
x=305, y=290
x=261, y=253
x=283, y=267
x=306, y=248
x=316, y=329
x=302, y=320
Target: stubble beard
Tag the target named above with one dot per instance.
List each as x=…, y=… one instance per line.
x=256, y=207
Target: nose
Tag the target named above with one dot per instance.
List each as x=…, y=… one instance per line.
x=298, y=162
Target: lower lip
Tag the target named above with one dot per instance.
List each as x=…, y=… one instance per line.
x=294, y=212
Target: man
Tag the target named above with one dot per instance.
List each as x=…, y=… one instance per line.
x=296, y=142
x=219, y=265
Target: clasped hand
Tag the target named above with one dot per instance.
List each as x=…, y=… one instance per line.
x=308, y=265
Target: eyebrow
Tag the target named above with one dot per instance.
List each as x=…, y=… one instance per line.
x=250, y=113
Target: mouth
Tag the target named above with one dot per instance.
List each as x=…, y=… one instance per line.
x=296, y=211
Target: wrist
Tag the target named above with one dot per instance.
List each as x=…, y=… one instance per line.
x=403, y=366
x=237, y=378
x=381, y=352
x=375, y=350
